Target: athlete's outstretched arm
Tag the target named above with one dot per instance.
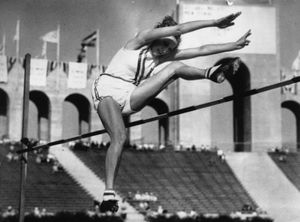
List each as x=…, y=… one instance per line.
x=149, y=35
x=210, y=49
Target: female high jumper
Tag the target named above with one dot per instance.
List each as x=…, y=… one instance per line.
x=128, y=83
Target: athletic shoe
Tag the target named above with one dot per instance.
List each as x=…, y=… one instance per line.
x=109, y=205
x=222, y=70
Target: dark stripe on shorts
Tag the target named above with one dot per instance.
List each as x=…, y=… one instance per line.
x=95, y=89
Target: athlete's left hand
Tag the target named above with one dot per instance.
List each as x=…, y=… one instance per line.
x=227, y=20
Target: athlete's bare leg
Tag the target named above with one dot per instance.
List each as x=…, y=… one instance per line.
x=155, y=84
x=110, y=114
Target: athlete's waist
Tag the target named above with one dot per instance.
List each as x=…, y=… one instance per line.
x=117, y=77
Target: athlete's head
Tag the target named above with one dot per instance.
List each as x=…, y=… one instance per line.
x=167, y=44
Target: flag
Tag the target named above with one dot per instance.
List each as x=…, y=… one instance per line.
x=296, y=63
x=17, y=39
x=17, y=35
x=90, y=40
x=51, y=36
x=3, y=45
x=82, y=54
x=44, y=50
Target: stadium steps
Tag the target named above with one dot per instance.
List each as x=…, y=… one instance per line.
x=87, y=179
x=290, y=165
x=267, y=185
x=181, y=180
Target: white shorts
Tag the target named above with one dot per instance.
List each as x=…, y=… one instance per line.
x=120, y=90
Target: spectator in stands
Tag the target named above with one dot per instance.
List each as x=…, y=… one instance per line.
x=9, y=156
x=160, y=209
x=162, y=147
x=44, y=212
x=9, y=212
x=37, y=212
x=282, y=158
x=138, y=196
x=247, y=208
x=129, y=84
x=193, y=148
x=193, y=214
x=221, y=155
x=50, y=158
x=181, y=214
x=56, y=167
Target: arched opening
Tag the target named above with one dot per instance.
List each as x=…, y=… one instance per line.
x=291, y=125
x=39, y=116
x=4, y=119
x=156, y=132
x=76, y=115
x=240, y=82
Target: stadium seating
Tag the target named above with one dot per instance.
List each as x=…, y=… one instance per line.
x=44, y=189
x=186, y=181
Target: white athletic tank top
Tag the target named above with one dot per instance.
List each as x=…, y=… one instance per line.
x=132, y=65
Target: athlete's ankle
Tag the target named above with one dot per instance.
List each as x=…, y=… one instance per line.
x=209, y=71
x=109, y=194
x=215, y=74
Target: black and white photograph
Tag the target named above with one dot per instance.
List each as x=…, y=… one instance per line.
x=149, y=110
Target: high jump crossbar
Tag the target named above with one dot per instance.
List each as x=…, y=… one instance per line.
x=170, y=114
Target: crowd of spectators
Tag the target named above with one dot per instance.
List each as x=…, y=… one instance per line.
x=142, y=199
x=10, y=211
x=86, y=145
x=281, y=152
x=142, y=196
x=40, y=156
x=248, y=211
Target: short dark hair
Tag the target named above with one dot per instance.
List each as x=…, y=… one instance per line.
x=168, y=21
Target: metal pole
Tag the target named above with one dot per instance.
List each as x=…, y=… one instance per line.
x=98, y=48
x=172, y=113
x=23, y=170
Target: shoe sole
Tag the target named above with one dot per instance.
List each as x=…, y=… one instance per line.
x=236, y=65
x=229, y=68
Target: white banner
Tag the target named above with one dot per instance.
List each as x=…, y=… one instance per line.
x=3, y=68
x=77, y=75
x=38, y=72
x=261, y=21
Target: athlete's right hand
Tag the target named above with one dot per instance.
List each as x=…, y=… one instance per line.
x=243, y=41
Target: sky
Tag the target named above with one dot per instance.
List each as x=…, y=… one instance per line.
x=117, y=20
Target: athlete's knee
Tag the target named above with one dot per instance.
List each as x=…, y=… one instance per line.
x=176, y=67
x=119, y=137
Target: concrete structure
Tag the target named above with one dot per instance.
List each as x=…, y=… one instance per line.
x=254, y=124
